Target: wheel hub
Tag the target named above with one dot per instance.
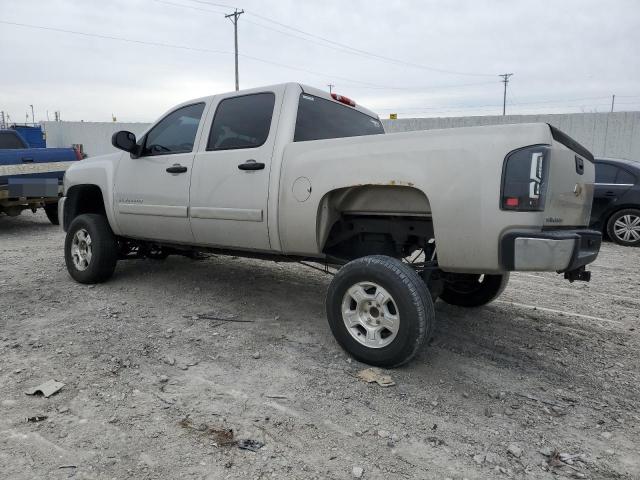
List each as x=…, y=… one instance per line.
x=627, y=228
x=370, y=314
x=81, y=249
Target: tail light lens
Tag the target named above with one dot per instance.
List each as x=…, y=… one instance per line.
x=524, y=179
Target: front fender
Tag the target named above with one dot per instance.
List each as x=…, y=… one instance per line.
x=98, y=171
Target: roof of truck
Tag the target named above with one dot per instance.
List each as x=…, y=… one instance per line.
x=304, y=89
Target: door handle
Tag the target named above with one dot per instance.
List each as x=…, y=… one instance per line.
x=609, y=194
x=251, y=165
x=27, y=159
x=176, y=168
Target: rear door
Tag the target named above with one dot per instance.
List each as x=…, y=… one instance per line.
x=611, y=183
x=152, y=191
x=230, y=182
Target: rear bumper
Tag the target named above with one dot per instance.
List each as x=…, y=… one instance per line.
x=550, y=250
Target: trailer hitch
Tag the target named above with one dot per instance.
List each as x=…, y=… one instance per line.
x=579, y=274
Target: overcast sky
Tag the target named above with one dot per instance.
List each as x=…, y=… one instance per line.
x=391, y=55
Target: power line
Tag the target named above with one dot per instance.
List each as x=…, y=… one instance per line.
x=359, y=83
x=113, y=37
x=353, y=49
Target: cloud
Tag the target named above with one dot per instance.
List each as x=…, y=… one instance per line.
x=565, y=56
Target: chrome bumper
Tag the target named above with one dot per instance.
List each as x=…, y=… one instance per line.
x=549, y=251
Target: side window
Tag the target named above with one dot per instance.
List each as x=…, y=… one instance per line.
x=242, y=122
x=175, y=133
x=605, y=173
x=625, y=177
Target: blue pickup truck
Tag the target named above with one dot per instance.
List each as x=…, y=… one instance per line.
x=31, y=178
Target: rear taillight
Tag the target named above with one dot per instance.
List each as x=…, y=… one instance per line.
x=343, y=99
x=524, y=179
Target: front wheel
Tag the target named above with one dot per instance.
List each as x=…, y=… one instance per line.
x=624, y=227
x=379, y=310
x=90, y=249
x=473, y=290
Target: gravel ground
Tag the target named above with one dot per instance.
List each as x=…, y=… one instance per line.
x=152, y=388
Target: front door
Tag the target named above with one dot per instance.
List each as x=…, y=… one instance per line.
x=230, y=181
x=152, y=191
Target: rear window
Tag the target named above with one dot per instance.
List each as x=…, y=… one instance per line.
x=319, y=119
x=9, y=140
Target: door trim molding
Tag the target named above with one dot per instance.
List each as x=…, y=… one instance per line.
x=240, y=214
x=153, y=210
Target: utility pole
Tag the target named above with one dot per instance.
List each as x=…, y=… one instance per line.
x=2, y=124
x=33, y=116
x=505, y=80
x=613, y=102
x=234, y=19
x=330, y=85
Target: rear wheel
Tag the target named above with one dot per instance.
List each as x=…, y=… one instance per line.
x=474, y=290
x=51, y=210
x=90, y=249
x=624, y=227
x=379, y=310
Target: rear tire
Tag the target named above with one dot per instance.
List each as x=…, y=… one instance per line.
x=473, y=291
x=90, y=249
x=623, y=227
x=51, y=210
x=379, y=310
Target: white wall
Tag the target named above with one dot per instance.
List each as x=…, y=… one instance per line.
x=95, y=137
x=604, y=134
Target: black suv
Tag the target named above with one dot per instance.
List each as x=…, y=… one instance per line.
x=616, y=200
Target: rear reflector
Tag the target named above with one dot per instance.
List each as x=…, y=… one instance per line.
x=511, y=202
x=343, y=99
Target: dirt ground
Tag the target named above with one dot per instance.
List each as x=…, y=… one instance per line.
x=151, y=387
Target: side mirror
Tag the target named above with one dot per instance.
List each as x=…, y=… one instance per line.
x=124, y=140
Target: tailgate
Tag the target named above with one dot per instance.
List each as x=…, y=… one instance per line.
x=37, y=163
x=570, y=186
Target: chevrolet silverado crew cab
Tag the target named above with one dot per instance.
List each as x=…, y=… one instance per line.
x=290, y=172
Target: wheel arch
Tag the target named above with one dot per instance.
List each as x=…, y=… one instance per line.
x=371, y=201
x=83, y=198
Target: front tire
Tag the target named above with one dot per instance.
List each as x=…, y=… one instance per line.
x=472, y=290
x=51, y=210
x=90, y=249
x=623, y=227
x=379, y=310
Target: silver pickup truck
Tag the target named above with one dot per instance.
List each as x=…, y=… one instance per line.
x=293, y=173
